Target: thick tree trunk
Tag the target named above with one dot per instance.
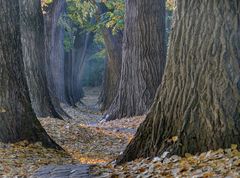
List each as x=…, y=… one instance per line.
x=112, y=73
x=143, y=58
x=32, y=37
x=18, y=121
x=113, y=44
x=199, y=99
x=54, y=54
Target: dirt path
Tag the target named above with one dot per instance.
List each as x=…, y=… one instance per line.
x=86, y=112
x=85, y=138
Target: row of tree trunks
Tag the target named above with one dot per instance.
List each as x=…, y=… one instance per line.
x=18, y=120
x=199, y=99
x=32, y=32
x=54, y=54
x=143, y=58
x=74, y=63
x=112, y=73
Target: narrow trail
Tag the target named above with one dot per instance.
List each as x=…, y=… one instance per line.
x=85, y=138
x=87, y=112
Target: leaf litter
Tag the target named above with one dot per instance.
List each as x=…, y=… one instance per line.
x=88, y=142
x=219, y=163
x=100, y=145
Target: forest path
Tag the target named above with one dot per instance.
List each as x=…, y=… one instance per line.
x=87, y=112
x=64, y=171
x=87, y=140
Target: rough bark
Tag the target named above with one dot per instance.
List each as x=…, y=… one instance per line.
x=18, y=121
x=112, y=73
x=54, y=54
x=199, y=99
x=32, y=38
x=143, y=58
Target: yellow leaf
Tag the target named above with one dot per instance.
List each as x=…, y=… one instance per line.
x=114, y=176
x=2, y=110
x=233, y=146
x=188, y=155
x=142, y=169
x=208, y=174
x=175, y=138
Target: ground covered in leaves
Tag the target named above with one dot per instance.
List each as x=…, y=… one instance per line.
x=220, y=163
x=84, y=139
x=22, y=159
x=87, y=140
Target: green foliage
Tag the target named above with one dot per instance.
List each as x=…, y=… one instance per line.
x=82, y=12
x=70, y=31
x=115, y=16
x=170, y=5
x=46, y=2
x=85, y=14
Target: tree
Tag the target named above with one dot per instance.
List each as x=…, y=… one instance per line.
x=198, y=102
x=143, y=58
x=54, y=54
x=54, y=34
x=18, y=121
x=32, y=38
x=74, y=63
x=112, y=74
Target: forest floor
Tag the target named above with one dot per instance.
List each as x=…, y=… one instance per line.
x=88, y=141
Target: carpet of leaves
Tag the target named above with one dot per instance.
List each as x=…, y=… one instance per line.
x=82, y=144
x=88, y=144
x=22, y=159
x=220, y=163
x=100, y=144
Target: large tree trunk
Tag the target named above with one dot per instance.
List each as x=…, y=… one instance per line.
x=112, y=73
x=199, y=99
x=143, y=58
x=32, y=37
x=18, y=121
x=54, y=54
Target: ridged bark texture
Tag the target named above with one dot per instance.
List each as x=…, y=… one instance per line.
x=199, y=99
x=32, y=38
x=54, y=48
x=112, y=73
x=54, y=54
x=143, y=58
x=17, y=119
x=113, y=64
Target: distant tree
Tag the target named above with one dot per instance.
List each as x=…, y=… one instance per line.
x=104, y=19
x=197, y=106
x=18, y=121
x=143, y=58
x=74, y=64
